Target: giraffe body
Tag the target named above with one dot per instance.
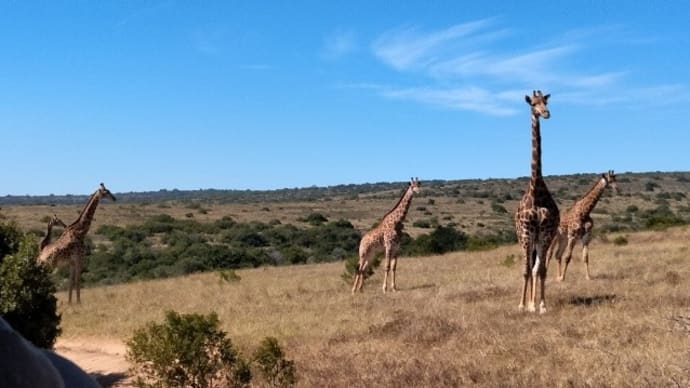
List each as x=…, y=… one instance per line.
x=69, y=247
x=385, y=237
x=537, y=216
x=577, y=225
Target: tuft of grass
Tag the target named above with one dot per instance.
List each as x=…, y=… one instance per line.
x=228, y=276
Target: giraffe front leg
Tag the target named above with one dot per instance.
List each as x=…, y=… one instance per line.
x=536, y=262
x=358, y=271
x=568, y=257
x=77, y=278
x=585, y=249
x=585, y=258
x=393, y=265
x=541, y=272
x=388, y=267
x=71, y=282
x=526, y=278
x=359, y=278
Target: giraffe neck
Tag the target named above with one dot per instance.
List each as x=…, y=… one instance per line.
x=536, y=152
x=46, y=240
x=397, y=214
x=589, y=200
x=83, y=223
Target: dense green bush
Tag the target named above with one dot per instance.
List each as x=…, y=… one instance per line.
x=27, y=300
x=186, y=350
x=441, y=240
x=660, y=218
x=272, y=364
x=165, y=246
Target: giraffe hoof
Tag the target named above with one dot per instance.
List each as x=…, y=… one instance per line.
x=560, y=278
x=542, y=310
x=531, y=308
x=521, y=307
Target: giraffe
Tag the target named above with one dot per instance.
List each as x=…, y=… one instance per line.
x=577, y=225
x=537, y=217
x=385, y=236
x=46, y=240
x=69, y=247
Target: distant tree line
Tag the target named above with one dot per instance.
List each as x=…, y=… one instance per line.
x=164, y=246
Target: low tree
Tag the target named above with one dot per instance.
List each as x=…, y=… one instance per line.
x=27, y=294
x=186, y=350
x=272, y=364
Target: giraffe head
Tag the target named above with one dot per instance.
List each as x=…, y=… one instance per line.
x=103, y=192
x=538, y=103
x=610, y=178
x=56, y=221
x=415, y=185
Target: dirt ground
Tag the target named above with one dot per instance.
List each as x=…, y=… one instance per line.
x=103, y=360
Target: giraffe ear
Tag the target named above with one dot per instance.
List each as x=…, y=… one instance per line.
x=528, y=99
x=546, y=97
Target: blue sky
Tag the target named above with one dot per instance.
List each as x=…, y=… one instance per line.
x=149, y=95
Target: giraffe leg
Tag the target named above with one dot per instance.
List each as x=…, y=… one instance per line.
x=361, y=275
x=536, y=262
x=554, y=247
x=394, y=263
x=568, y=256
x=77, y=278
x=586, y=238
x=559, y=247
x=541, y=272
x=358, y=272
x=71, y=281
x=526, y=276
x=388, y=267
x=359, y=278
x=585, y=254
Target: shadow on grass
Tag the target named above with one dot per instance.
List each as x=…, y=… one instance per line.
x=109, y=379
x=591, y=300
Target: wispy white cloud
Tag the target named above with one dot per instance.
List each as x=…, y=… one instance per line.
x=405, y=48
x=458, y=59
x=472, y=98
x=339, y=44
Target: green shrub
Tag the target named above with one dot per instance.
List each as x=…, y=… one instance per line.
x=274, y=367
x=425, y=224
x=508, y=261
x=351, y=264
x=314, y=219
x=27, y=300
x=186, y=350
x=620, y=240
x=441, y=240
x=228, y=276
x=498, y=209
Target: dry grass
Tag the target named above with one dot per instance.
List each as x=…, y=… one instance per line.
x=453, y=323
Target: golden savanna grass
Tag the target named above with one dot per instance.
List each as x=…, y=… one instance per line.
x=454, y=321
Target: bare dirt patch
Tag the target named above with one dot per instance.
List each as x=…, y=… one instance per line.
x=102, y=359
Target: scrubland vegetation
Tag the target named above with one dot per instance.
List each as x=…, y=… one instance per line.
x=454, y=321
